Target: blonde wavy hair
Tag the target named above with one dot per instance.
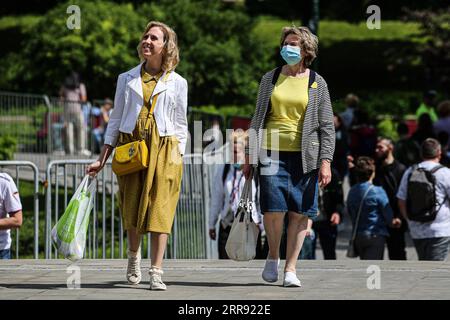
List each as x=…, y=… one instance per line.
x=309, y=43
x=171, y=55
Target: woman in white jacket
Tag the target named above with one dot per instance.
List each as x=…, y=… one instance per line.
x=150, y=104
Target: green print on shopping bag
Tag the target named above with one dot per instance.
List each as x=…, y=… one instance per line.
x=69, y=234
x=66, y=225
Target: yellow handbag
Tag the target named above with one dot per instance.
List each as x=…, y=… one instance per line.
x=133, y=157
x=130, y=158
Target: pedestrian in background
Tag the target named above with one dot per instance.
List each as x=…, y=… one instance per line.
x=369, y=210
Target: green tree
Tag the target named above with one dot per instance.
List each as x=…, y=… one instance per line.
x=104, y=47
x=220, y=58
x=431, y=51
x=435, y=53
x=8, y=146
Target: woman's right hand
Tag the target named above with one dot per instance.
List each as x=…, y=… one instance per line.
x=246, y=170
x=94, y=168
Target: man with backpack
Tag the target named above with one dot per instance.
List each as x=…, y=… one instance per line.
x=423, y=199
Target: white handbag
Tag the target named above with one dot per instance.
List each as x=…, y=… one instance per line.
x=241, y=243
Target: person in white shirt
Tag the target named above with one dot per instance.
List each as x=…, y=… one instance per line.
x=226, y=193
x=10, y=213
x=432, y=238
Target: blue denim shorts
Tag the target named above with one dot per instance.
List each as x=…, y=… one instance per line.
x=284, y=187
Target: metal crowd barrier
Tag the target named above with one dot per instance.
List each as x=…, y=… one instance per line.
x=17, y=165
x=189, y=238
x=42, y=125
x=24, y=117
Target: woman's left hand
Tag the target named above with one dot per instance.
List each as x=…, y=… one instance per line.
x=324, y=173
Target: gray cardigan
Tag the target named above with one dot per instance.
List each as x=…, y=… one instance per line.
x=318, y=136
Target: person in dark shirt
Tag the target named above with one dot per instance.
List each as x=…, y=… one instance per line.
x=389, y=173
x=424, y=130
x=331, y=205
x=341, y=149
x=406, y=150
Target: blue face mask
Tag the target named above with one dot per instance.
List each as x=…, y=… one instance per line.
x=291, y=55
x=237, y=166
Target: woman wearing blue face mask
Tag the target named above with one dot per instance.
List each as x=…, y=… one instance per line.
x=291, y=145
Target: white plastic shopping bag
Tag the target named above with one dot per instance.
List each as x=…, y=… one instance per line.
x=241, y=242
x=69, y=233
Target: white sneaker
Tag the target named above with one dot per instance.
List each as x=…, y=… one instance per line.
x=85, y=152
x=270, y=272
x=134, y=267
x=291, y=280
x=155, y=279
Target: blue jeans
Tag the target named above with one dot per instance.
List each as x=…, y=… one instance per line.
x=284, y=187
x=432, y=249
x=5, y=254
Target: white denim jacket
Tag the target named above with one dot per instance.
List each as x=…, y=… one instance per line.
x=170, y=110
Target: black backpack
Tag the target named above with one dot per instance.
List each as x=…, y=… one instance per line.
x=421, y=199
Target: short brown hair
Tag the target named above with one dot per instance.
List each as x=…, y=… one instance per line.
x=309, y=42
x=352, y=100
x=444, y=109
x=430, y=149
x=364, y=168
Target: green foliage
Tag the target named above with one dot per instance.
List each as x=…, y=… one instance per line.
x=226, y=111
x=268, y=29
x=104, y=47
x=220, y=58
x=388, y=128
x=354, y=10
x=435, y=51
x=8, y=146
x=379, y=103
x=23, y=125
x=352, y=57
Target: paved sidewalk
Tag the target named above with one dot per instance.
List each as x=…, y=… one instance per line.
x=223, y=280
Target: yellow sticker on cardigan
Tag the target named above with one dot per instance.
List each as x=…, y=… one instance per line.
x=314, y=85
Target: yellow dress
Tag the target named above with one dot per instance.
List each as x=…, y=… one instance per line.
x=148, y=198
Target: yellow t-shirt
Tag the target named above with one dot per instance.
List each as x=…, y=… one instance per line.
x=289, y=100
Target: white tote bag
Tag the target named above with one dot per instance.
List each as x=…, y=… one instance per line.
x=241, y=243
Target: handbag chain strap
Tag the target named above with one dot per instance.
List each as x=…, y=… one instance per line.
x=246, y=199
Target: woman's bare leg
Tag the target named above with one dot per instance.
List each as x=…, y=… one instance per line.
x=134, y=239
x=273, y=225
x=158, y=247
x=296, y=232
